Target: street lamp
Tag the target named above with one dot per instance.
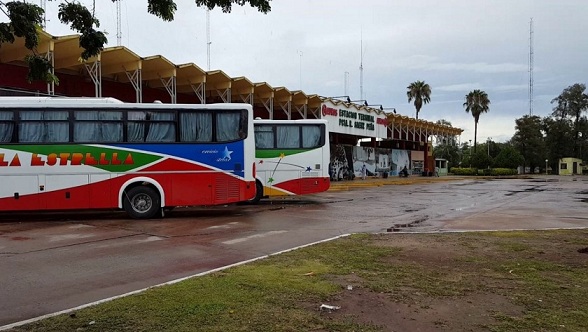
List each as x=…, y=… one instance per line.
x=546, y=160
x=346, y=98
x=365, y=102
x=381, y=106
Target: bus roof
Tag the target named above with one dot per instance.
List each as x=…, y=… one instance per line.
x=87, y=102
x=56, y=100
x=308, y=121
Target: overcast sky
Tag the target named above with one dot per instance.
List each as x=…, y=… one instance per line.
x=454, y=45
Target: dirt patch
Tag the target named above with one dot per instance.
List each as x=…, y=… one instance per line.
x=466, y=313
x=458, y=283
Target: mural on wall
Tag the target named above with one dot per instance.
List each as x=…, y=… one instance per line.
x=347, y=161
x=341, y=165
x=400, y=159
x=364, y=156
x=384, y=158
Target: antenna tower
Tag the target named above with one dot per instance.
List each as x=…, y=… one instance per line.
x=531, y=60
x=118, y=24
x=346, y=83
x=361, y=69
x=44, y=7
x=208, y=42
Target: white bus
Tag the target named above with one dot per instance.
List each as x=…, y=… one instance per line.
x=292, y=157
x=101, y=153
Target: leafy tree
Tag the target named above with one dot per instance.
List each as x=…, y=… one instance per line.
x=480, y=159
x=421, y=93
x=24, y=20
x=446, y=146
x=570, y=104
x=528, y=140
x=449, y=152
x=557, y=139
x=476, y=102
x=508, y=157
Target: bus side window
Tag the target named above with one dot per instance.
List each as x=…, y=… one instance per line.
x=227, y=126
x=196, y=127
x=311, y=136
x=287, y=137
x=43, y=126
x=161, y=127
x=264, y=137
x=6, y=126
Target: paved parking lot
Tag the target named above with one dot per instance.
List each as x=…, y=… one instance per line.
x=52, y=262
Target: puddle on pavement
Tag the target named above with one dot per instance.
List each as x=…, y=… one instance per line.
x=533, y=189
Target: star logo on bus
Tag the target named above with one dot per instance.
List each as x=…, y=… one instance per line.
x=308, y=169
x=227, y=154
x=270, y=180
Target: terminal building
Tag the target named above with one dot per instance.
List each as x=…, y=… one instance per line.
x=360, y=134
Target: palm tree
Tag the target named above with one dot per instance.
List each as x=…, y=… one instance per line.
x=420, y=92
x=476, y=102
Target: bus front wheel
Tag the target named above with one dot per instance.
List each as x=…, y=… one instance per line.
x=141, y=202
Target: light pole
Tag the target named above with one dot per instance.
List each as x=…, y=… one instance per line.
x=546, y=161
x=488, y=141
x=470, y=153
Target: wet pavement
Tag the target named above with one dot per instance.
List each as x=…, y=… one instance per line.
x=52, y=262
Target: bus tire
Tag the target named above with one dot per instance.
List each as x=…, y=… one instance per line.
x=258, y=193
x=142, y=202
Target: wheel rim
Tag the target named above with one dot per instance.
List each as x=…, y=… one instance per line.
x=141, y=203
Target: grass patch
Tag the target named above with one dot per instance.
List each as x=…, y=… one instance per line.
x=543, y=281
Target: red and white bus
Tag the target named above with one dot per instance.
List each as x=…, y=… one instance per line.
x=89, y=153
x=292, y=157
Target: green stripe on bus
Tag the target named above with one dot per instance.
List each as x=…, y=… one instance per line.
x=108, y=159
x=277, y=153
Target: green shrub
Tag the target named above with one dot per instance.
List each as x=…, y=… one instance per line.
x=464, y=171
x=503, y=171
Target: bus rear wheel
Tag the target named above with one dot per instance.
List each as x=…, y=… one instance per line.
x=141, y=202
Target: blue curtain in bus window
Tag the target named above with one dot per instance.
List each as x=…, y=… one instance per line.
x=111, y=131
x=31, y=132
x=288, y=137
x=264, y=137
x=159, y=129
x=228, y=126
x=56, y=126
x=311, y=136
x=136, y=130
x=6, y=128
x=196, y=127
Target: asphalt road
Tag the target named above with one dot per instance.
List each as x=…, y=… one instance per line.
x=52, y=262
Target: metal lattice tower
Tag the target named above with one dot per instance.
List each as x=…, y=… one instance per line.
x=118, y=24
x=43, y=4
x=346, y=83
x=361, y=69
x=208, y=42
x=531, y=60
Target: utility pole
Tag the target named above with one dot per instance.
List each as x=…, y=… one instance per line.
x=118, y=24
x=531, y=60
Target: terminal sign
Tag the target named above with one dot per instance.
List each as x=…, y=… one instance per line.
x=350, y=119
